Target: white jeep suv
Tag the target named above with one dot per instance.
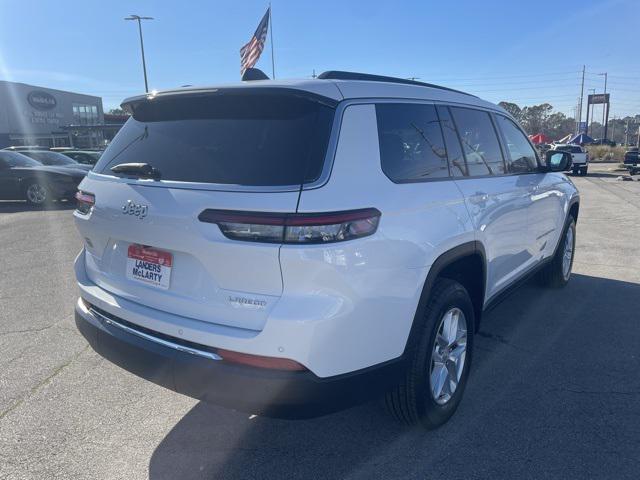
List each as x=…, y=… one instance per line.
x=290, y=248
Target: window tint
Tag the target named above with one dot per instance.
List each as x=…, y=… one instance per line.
x=479, y=142
x=411, y=145
x=454, y=150
x=521, y=155
x=253, y=139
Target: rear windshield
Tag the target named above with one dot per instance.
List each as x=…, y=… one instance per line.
x=569, y=148
x=14, y=159
x=251, y=139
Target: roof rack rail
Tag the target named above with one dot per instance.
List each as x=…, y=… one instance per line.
x=341, y=75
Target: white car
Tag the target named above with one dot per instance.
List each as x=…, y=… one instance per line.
x=290, y=248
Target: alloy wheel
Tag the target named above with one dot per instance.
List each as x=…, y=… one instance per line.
x=567, y=255
x=448, y=355
x=36, y=193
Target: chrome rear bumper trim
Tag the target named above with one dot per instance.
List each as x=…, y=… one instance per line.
x=151, y=338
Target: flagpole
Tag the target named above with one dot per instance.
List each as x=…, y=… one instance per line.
x=273, y=63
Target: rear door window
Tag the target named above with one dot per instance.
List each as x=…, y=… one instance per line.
x=454, y=150
x=521, y=155
x=479, y=142
x=250, y=139
x=411, y=144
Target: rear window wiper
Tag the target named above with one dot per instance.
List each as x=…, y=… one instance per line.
x=140, y=170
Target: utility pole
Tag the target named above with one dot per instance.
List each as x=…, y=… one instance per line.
x=139, y=19
x=626, y=133
x=604, y=105
x=581, y=98
x=593, y=91
x=613, y=128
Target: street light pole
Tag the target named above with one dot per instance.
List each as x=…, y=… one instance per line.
x=139, y=19
x=580, y=108
x=604, y=105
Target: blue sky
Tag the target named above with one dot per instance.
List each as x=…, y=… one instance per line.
x=525, y=52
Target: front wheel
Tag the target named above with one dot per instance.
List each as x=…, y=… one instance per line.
x=583, y=171
x=37, y=194
x=439, y=359
x=558, y=272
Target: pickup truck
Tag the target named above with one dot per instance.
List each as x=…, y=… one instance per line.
x=579, y=157
x=631, y=160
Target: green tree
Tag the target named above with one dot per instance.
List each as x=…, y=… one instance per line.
x=513, y=109
x=534, y=118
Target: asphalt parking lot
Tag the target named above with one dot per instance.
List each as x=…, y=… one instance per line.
x=554, y=390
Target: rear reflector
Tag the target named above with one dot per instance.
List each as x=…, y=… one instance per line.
x=84, y=202
x=259, y=361
x=294, y=228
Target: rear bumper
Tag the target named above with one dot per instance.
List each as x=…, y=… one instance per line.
x=255, y=390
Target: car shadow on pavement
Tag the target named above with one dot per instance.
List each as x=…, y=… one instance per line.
x=534, y=388
x=22, y=206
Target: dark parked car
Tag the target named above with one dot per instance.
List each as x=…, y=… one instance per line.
x=22, y=178
x=55, y=159
x=631, y=156
x=85, y=157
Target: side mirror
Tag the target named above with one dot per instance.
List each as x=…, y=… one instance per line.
x=557, y=161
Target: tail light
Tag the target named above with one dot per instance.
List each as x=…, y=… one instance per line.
x=84, y=202
x=294, y=228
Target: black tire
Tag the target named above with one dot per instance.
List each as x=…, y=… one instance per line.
x=36, y=193
x=554, y=275
x=575, y=170
x=583, y=171
x=412, y=401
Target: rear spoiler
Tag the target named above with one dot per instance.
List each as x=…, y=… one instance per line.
x=131, y=104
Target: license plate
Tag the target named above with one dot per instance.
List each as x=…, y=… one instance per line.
x=149, y=266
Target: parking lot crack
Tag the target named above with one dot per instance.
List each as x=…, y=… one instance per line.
x=42, y=383
x=600, y=392
x=28, y=330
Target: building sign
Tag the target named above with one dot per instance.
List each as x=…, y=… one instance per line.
x=41, y=100
x=598, y=98
x=44, y=118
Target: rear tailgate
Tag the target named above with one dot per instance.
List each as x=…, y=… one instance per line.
x=247, y=153
x=212, y=278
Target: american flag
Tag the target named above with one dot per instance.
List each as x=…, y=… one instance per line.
x=250, y=53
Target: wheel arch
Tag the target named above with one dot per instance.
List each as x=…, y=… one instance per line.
x=465, y=263
x=574, y=209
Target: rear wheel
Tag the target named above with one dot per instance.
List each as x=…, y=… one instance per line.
x=575, y=170
x=583, y=170
x=439, y=359
x=558, y=272
x=37, y=194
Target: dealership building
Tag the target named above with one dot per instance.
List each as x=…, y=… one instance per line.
x=31, y=115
